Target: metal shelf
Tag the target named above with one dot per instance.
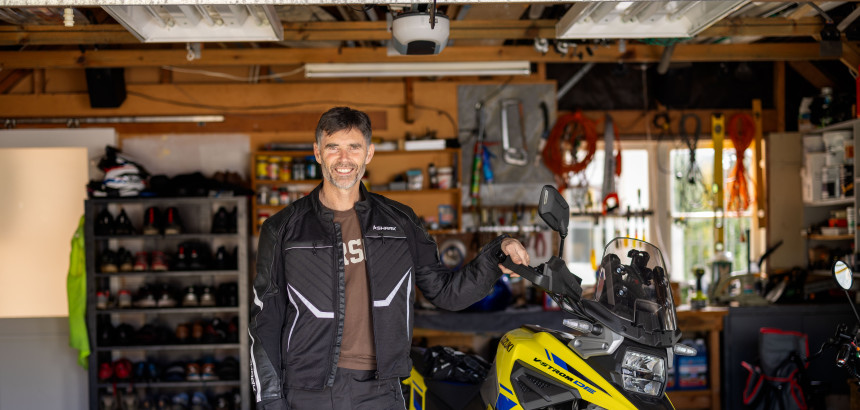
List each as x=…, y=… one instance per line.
x=190, y=200
x=830, y=202
x=160, y=237
x=178, y=310
x=155, y=348
x=186, y=384
x=170, y=274
x=198, y=214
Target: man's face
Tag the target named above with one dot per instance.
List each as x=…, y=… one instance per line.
x=343, y=157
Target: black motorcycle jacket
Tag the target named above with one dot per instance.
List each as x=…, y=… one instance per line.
x=296, y=319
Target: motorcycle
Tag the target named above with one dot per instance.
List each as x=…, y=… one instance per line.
x=780, y=379
x=619, y=344
x=847, y=342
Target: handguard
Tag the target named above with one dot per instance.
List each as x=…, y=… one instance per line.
x=551, y=276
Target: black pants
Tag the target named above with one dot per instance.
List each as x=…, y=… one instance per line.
x=352, y=390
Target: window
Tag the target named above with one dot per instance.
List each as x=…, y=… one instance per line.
x=693, y=217
x=589, y=231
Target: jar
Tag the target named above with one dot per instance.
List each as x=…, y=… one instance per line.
x=262, y=167
x=283, y=196
x=298, y=169
x=311, y=167
x=275, y=198
x=261, y=217
x=263, y=194
x=274, y=168
x=286, y=168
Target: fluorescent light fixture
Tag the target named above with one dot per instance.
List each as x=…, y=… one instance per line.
x=429, y=69
x=644, y=19
x=199, y=23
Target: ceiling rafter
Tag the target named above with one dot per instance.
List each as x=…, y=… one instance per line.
x=377, y=31
x=291, y=57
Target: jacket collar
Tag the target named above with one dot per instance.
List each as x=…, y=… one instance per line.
x=362, y=205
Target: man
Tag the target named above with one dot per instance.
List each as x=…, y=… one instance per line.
x=331, y=323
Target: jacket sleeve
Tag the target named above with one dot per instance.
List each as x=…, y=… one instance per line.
x=266, y=320
x=448, y=289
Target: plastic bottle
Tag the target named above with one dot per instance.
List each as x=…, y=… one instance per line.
x=433, y=176
x=286, y=168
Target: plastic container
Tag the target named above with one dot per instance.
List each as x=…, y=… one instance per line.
x=830, y=182
x=834, y=146
x=445, y=177
x=692, y=371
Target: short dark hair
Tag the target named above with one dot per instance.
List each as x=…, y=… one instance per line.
x=343, y=119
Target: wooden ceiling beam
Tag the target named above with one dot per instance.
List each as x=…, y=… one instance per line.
x=811, y=73
x=12, y=79
x=635, y=53
x=851, y=57
x=377, y=31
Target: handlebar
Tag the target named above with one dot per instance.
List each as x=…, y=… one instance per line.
x=552, y=276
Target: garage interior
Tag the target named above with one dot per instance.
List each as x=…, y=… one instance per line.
x=219, y=103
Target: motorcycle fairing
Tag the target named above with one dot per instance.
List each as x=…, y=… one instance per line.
x=532, y=357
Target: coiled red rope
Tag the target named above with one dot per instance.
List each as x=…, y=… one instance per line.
x=737, y=183
x=569, y=131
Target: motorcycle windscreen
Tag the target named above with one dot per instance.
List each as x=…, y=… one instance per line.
x=633, y=284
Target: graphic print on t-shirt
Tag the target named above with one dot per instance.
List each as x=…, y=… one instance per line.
x=354, y=252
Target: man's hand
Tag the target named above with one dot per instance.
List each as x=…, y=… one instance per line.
x=517, y=252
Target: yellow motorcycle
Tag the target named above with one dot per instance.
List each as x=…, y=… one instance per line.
x=618, y=345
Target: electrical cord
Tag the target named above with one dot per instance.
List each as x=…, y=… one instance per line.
x=564, y=138
x=218, y=74
x=241, y=109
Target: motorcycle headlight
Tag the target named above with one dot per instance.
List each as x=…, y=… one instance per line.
x=643, y=373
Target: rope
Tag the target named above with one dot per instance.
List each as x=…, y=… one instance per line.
x=566, y=136
x=737, y=184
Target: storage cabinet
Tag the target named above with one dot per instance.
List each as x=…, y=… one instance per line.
x=824, y=244
x=440, y=205
x=167, y=302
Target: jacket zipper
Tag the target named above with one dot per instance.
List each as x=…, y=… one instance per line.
x=372, y=297
x=341, y=290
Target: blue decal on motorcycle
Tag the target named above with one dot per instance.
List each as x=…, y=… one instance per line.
x=418, y=388
x=560, y=362
x=504, y=403
x=547, y=355
x=506, y=389
x=416, y=401
x=582, y=376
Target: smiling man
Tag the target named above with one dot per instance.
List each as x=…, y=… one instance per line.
x=331, y=323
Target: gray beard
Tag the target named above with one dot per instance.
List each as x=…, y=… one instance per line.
x=328, y=176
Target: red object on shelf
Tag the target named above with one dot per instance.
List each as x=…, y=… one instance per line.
x=837, y=223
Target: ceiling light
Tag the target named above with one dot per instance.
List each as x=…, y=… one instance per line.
x=199, y=23
x=429, y=69
x=644, y=19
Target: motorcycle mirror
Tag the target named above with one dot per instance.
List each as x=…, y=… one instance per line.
x=553, y=209
x=843, y=275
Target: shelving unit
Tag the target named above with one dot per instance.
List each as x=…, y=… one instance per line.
x=385, y=166
x=818, y=210
x=197, y=216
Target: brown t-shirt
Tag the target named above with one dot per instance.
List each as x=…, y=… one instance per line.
x=357, y=349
